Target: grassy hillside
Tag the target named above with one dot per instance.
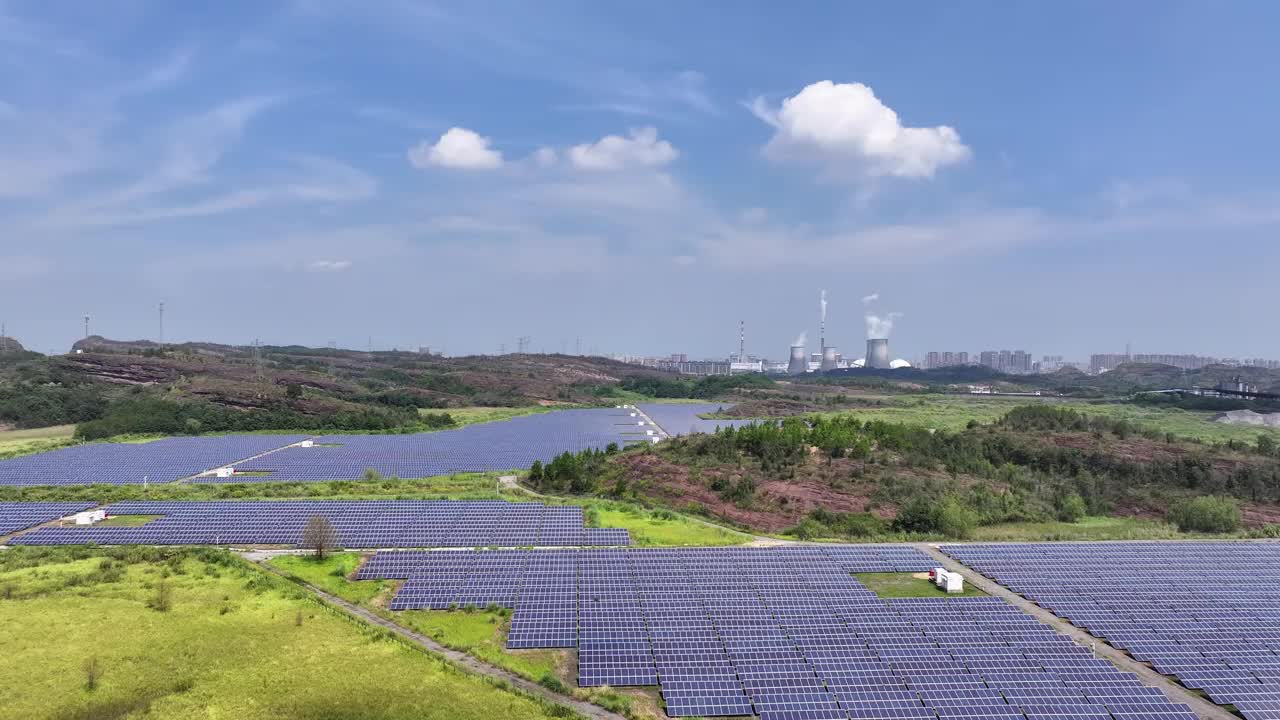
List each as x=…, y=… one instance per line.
x=174, y=634
x=846, y=476
x=116, y=387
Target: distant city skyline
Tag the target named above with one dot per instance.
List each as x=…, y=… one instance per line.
x=1065, y=178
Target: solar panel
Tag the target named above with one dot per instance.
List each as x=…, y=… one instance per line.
x=778, y=633
x=1205, y=612
x=358, y=523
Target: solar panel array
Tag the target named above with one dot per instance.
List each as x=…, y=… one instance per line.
x=159, y=461
x=20, y=516
x=484, y=447
x=1207, y=613
x=359, y=524
x=782, y=633
x=682, y=418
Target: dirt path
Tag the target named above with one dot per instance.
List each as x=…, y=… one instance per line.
x=455, y=657
x=1172, y=690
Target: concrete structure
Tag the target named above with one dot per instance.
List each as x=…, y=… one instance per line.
x=828, y=358
x=797, y=365
x=952, y=582
x=878, y=354
x=89, y=517
x=899, y=364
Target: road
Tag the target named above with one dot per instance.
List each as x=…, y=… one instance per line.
x=455, y=657
x=1172, y=690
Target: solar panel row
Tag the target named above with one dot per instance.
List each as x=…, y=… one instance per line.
x=20, y=516
x=506, y=445
x=683, y=418
x=359, y=524
x=159, y=461
x=1206, y=613
x=781, y=633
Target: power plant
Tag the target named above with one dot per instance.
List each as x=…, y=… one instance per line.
x=878, y=354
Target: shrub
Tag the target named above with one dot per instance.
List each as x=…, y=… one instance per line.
x=956, y=520
x=1207, y=514
x=162, y=601
x=1071, y=508
x=921, y=515
x=92, y=673
x=553, y=683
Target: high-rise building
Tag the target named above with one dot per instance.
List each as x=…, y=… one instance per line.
x=937, y=359
x=1016, y=362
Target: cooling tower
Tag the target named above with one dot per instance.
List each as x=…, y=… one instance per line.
x=878, y=354
x=798, y=362
x=828, y=358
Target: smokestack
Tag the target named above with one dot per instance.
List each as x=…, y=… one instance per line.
x=798, y=364
x=828, y=359
x=878, y=354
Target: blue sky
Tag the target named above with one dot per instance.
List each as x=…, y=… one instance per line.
x=1062, y=178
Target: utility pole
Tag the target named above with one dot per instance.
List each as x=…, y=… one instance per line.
x=257, y=358
x=578, y=347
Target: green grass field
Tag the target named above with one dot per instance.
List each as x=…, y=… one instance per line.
x=953, y=412
x=127, y=520
x=474, y=415
x=234, y=643
x=1090, y=528
x=660, y=528
x=25, y=442
x=906, y=585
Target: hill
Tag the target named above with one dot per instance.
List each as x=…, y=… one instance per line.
x=282, y=387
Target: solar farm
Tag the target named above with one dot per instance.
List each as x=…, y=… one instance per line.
x=159, y=461
x=359, y=524
x=1207, y=613
x=784, y=633
x=487, y=447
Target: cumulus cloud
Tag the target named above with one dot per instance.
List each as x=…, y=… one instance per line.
x=458, y=148
x=842, y=123
x=328, y=265
x=868, y=299
x=641, y=148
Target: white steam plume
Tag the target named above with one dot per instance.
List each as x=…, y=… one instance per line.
x=823, y=303
x=799, y=340
x=878, y=328
x=868, y=299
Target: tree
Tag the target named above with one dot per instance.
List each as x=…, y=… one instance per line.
x=1207, y=514
x=319, y=536
x=1071, y=508
x=1266, y=444
x=293, y=391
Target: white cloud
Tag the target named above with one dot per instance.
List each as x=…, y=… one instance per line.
x=841, y=123
x=641, y=148
x=458, y=148
x=328, y=265
x=868, y=299
x=545, y=157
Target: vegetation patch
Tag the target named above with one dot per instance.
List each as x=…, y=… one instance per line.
x=910, y=585
x=228, y=642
